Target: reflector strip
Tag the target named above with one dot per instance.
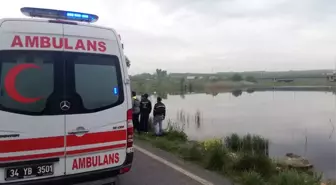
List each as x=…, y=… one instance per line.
x=60, y=154
x=19, y=145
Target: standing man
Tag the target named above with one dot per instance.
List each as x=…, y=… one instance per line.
x=159, y=114
x=136, y=111
x=145, y=110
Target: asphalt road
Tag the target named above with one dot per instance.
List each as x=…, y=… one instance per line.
x=147, y=171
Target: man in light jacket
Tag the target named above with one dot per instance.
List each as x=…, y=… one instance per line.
x=136, y=111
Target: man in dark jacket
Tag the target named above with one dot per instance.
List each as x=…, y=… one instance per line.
x=145, y=110
x=159, y=114
x=136, y=111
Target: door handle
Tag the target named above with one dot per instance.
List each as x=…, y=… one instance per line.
x=78, y=132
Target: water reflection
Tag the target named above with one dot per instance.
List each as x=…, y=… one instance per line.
x=237, y=93
x=299, y=122
x=163, y=95
x=214, y=94
x=184, y=117
x=250, y=91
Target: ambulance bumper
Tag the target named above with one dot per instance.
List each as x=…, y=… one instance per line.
x=89, y=178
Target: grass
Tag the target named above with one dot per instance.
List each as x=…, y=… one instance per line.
x=244, y=159
x=248, y=143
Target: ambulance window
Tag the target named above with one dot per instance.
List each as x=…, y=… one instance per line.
x=98, y=81
x=27, y=79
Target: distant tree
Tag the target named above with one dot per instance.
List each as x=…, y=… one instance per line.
x=161, y=73
x=190, y=88
x=128, y=62
x=182, y=84
x=250, y=79
x=160, y=76
x=237, y=77
x=143, y=76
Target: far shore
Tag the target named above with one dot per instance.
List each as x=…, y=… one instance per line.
x=298, y=87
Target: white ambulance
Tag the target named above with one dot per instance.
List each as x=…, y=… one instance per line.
x=65, y=100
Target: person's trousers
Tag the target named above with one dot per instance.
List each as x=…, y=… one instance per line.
x=144, y=122
x=158, y=125
x=136, y=122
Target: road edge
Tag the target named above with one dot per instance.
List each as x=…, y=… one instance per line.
x=174, y=166
x=195, y=172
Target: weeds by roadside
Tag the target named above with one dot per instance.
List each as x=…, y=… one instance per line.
x=242, y=158
x=249, y=143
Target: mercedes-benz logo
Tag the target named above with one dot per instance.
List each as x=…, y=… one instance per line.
x=65, y=105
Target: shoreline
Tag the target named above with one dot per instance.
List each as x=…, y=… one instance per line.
x=247, y=88
x=176, y=142
x=299, y=88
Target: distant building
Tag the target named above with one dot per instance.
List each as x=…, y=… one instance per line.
x=331, y=76
x=282, y=80
x=191, y=77
x=213, y=78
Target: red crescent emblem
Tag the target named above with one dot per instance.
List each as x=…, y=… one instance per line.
x=10, y=83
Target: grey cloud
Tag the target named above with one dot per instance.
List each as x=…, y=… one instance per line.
x=304, y=9
x=141, y=42
x=235, y=35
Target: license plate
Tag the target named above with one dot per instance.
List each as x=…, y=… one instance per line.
x=23, y=172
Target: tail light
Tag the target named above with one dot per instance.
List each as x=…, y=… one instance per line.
x=130, y=131
x=125, y=169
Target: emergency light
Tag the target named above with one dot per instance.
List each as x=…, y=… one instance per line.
x=115, y=91
x=59, y=14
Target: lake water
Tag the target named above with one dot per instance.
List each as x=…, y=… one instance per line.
x=297, y=122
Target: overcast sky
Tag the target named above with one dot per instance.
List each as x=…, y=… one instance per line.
x=213, y=35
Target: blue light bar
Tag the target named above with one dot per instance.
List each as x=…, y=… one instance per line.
x=115, y=91
x=59, y=14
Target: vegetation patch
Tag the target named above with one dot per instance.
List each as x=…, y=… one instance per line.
x=163, y=82
x=244, y=159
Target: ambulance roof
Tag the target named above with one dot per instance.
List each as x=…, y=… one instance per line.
x=47, y=22
x=51, y=20
x=57, y=16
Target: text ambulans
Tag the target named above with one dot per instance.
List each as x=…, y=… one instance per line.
x=95, y=161
x=57, y=43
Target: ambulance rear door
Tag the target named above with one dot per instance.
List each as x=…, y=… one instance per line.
x=32, y=127
x=96, y=120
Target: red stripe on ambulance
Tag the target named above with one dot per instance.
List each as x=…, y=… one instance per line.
x=20, y=145
x=89, y=150
x=94, y=138
x=30, y=157
x=57, y=43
